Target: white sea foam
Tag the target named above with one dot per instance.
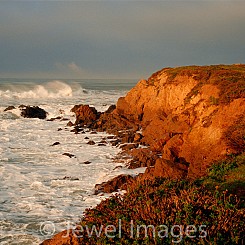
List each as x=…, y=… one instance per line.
x=36, y=180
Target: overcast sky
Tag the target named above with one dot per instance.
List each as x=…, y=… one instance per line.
x=117, y=39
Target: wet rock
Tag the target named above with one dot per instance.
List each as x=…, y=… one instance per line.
x=74, y=108
x=103, y=142
x=85, y=114
x=70, y=178
x=127, y=137
x=55, y=143
x=110, y=109
x=54, y=118
x=137, y=137
x=77, y=130
x=86, y=162
x=129, y=146
x=115, y=142
x=114, y=184
x=110, y=137
x=33, y=112
x=9, y=108
x=69, y=155
x=70, y=124
x=113, y=123
x=91, y=142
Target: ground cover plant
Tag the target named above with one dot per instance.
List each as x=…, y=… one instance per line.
x=209, y=210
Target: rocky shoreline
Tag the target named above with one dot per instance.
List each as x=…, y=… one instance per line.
x=176, y=124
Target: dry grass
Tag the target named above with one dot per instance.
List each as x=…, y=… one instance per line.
x=230, y=79
x=235, y=135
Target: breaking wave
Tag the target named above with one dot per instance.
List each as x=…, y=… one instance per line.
x=52, y=89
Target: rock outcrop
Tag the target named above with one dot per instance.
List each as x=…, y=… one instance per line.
x=191, y=113
x=85, y=114
x=186, y=113
x=113, y=184
x=33, y=112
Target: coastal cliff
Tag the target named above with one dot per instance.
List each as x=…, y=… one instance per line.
x=188, y=118
x=190, y=114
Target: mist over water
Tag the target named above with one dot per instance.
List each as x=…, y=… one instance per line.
x=37, y=182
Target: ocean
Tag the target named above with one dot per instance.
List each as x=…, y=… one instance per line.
x=43, y=191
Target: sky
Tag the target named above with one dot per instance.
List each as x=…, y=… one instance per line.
x=117, y=38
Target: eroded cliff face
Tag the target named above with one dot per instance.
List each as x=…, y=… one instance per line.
x=185, y=114
x=188, y=116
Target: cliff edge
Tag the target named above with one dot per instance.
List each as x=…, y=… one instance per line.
x=192, y=115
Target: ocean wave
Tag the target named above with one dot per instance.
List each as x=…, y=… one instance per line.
x=52, y=89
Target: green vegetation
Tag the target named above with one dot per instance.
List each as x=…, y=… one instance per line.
x=227, y=175
x=160, y=211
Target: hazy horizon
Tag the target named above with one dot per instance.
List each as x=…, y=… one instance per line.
x=116, y=39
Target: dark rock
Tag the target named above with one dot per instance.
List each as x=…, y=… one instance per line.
x=110, y=137
x=76, y=130
x=74, y=108
x=56, y=143
x=64, y=119
x=59, y=129
x=86, y=138
x=101, y=144
x=91, y=142
x=9, y=108
x=110, y=109
x=54, y=118
x=93, y=132
x=127, y=137
x=86, y=162
x=69, y=155
x=115, y=142
x=116, y=183
x=129, y=146
x=70, y=178
x=33, y=112
x=69, y=124
x=137, y=137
